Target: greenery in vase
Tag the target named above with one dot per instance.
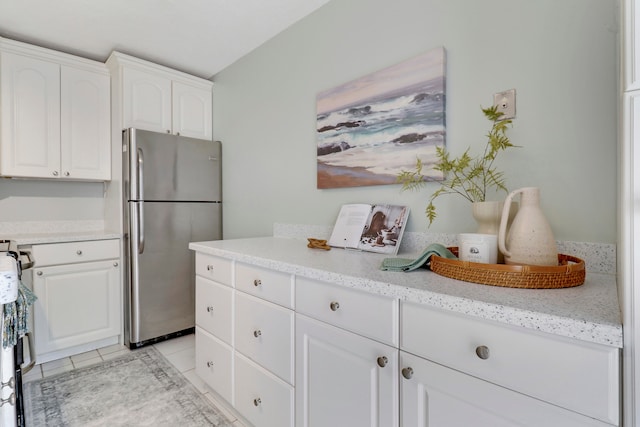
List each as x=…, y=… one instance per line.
x=467, y=176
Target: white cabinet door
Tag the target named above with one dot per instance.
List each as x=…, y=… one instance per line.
x=343, y=379
x=146, y=101
x=30, y=117
x=435, y=396
x=85, y=124
x=214, y=363
x=77, y=304
x=192, y=111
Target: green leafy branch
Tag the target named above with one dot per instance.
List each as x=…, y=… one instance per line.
x=467, y=176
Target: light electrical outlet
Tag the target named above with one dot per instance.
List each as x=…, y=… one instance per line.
x=506, y=103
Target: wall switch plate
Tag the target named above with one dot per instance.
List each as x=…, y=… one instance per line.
x=506, y=103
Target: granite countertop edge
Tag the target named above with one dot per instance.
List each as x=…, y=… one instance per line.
x=606, y=330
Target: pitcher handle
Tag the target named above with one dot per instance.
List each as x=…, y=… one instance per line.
x=502, y=231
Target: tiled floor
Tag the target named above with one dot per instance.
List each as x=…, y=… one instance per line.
x=179, y=351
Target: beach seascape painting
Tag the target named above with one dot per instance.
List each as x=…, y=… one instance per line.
x=371, y=129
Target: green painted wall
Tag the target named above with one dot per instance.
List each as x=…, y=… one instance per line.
x=561, y=56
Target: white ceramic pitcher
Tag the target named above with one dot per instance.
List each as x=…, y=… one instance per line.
x=530, y=240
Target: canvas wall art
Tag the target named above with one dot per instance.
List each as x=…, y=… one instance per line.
x=372, y=128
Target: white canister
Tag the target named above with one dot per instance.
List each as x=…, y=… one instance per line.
x=475, y=247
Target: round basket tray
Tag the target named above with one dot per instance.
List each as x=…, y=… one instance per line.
x=569, y=272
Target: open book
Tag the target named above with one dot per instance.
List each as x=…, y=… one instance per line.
x=373, y=228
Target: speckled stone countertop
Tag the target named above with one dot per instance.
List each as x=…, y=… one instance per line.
x=39, y=232
x=589, y=312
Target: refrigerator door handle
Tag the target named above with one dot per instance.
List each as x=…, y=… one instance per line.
x=140, y=205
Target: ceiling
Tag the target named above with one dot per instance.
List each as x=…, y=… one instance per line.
x=200, y=37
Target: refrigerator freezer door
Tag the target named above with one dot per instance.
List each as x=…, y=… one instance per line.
x=165, y=167
x=161, y=290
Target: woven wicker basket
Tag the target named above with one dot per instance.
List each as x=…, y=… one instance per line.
x=569, y=272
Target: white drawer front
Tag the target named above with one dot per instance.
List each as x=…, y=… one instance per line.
x=264, y=333
x=214, y=308
x=578, y=376
x=75, y=252
x=270, y=285
x=371, y=315
x=214, y=268
x=214, y=363
x=260, y=397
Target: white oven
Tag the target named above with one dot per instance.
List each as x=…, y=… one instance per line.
x=15, y=300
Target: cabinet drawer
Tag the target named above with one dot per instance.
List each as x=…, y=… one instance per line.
x=75, y=252
x=264, y=333
x=214, y=363
x=214, y=308
x=371, y=315
x=260, y=397
x=214, y=268
x=270, y=285
x=583, y=377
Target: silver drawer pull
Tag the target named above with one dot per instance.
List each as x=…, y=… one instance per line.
x=482, y=352
x=257, y=401
x=78, y=252
x=39, y=273
x=257, y=282
x=407, y=373
x=115, y=264
x=334, y=306
x=382, y=361
x=209, y=267
x=210, y=309
x=209, y=364
x=67, y=173
x=257, y=333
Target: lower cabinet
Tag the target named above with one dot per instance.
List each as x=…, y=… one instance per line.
x=78, y=307
x=435, y=396
x=338, y=356
x=343, y=379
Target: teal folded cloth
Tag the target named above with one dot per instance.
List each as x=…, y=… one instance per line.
x=16, y=316
x=405, y=264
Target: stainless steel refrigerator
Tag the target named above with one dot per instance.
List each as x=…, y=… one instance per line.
x=172, y=196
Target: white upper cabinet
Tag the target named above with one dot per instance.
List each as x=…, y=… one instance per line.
x=159, y=99
x=54, y=115
x=631, y=55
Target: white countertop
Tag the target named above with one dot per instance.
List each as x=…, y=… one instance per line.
x=40, y=232
x=589, y=312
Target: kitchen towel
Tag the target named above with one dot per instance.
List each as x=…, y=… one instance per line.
x=405, y=264
x=16, y=315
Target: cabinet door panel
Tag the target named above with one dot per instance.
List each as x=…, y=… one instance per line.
x=85, y=124
x=214, y=308
x=30, y=112
x=435, y=396
x=146, y=101
x=214, y=363
x=264, y=333
x=77, y=304
x=339, y=381
x=192, y=111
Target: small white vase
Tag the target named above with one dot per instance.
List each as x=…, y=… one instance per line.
x=488, y=216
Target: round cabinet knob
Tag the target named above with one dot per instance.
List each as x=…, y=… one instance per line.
x=257, y=333
x=78, y=252
x=334, y=306
x=55, y=173
x=168, y=130
x=382, y=361
x=482, y=352
x=257, y=402
x=115, y=264
x=209, y=267
x=257, y=282
x=209, y=364
x=210, y=309
x=407, y=373
x=67, y=173
x=39, y=273
x=178, y=133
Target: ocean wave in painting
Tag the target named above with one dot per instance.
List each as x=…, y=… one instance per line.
x=384, y=136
